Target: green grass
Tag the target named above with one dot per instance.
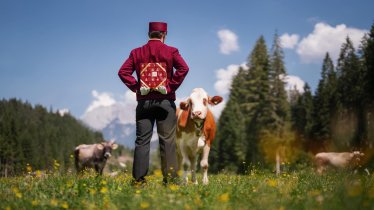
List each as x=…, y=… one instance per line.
x=258, y=190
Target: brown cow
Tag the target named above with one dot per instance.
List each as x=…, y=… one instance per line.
x=93, y=156
x=342, y=160
x=195, y=132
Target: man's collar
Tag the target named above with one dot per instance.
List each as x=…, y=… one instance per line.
x=154, y=39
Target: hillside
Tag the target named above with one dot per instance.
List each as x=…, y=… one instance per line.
x=33, y=137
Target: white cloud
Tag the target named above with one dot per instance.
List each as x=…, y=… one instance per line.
x=229, y=41
x=294, y=81
x=62, y=112
x=224, y=78
x=105, y=108
x=326, y=38
x=100, y=99
x=289, y=41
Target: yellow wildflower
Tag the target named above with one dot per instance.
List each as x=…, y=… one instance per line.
x=34, y=203
x=65, y=205
x=173, y=187
x=104, y=190
x=198, y=201
x=38, y=173
x=92, y=191
x=54, y=202
x=28, y=168
x=272, y=183
x=180, y=172
x=18, y=195
x=224, y=197
x=144, y=205
x=157, y=173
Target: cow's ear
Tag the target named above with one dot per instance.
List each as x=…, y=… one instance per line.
x=184, y=105
x=215, y=100
x=100, y=146
x=114, y=146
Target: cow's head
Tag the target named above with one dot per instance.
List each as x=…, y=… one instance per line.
x=197, y=103
x=107, y=148
x=357, y=157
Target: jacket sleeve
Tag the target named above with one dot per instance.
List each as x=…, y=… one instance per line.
x=125, y=73
x=181, y=70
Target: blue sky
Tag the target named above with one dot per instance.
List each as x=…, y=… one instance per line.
x=66, y=54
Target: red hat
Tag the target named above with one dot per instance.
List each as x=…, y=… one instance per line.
x=158, y=26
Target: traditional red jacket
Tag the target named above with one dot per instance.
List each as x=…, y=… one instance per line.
x=154, y=52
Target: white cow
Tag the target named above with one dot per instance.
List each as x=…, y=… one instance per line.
x=340, y=160
x=195, y=132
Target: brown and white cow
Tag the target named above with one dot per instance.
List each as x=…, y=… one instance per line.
x=93, y=156
x=342, y=160
x=195, y=132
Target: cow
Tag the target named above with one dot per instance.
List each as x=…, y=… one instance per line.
x=93, y=156
x=342, y=160
x=195, y=132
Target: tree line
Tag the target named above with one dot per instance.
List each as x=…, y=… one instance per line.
x=262, y=122
x=33, y=138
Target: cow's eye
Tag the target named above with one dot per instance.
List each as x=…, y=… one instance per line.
x=205, y=101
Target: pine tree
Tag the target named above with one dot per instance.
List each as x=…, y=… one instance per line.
x=277, y=92
x=351, y=93
x=323, y=101
x=302, y=113
x=368, y=56
x=258, y=107
x=230, y=139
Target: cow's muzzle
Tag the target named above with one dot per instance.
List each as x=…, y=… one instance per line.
x=107, y=155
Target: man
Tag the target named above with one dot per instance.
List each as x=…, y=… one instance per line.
x=155, y=88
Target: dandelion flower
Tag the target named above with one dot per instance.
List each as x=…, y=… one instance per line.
x=54, y=202
x=272, y=183
x=34, y=203
x=19, y=195
x=173, y=187
x=65, y=205
x=144, y=205
x=104, y=190
x=157, y=173
x=224, y=197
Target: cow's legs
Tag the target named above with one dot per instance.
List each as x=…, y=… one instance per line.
x=193, y=169
x=204, y=163
x=186, y=165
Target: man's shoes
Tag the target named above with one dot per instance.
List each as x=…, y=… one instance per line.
x=139, y=182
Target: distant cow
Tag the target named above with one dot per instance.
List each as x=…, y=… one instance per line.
x=195, y=132
x=93, y=156
x=342, y=160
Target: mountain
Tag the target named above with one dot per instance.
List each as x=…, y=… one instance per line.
x=124, y=134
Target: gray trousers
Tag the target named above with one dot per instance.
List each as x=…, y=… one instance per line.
x=163, y=113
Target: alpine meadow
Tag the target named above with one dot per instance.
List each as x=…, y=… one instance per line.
x=263, y=156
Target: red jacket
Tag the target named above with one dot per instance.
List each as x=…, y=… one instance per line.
x=152, y=52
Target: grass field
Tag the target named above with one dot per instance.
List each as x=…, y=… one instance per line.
x=257, y=190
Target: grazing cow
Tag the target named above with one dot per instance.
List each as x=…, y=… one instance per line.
x=93, y=156
x=195, y=132
x=343, y=160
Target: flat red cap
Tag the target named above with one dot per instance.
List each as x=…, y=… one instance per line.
x=158, y=26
